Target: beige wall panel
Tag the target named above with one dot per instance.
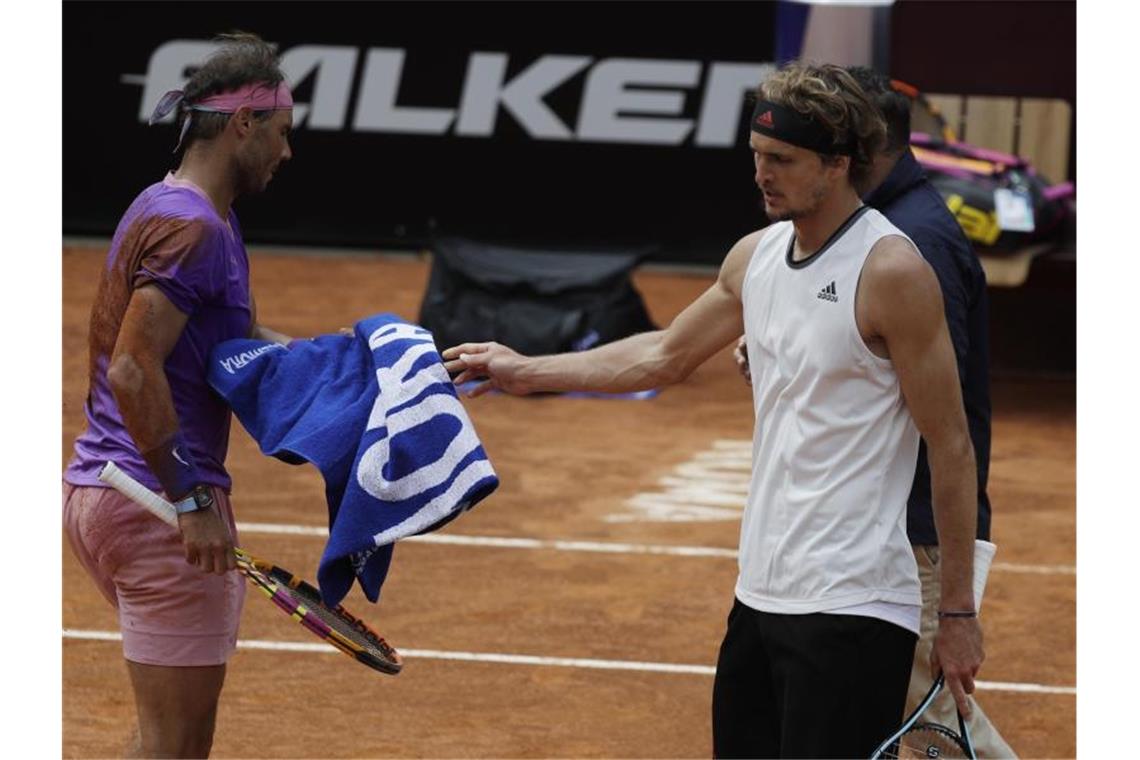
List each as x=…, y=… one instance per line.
x=990, y=122
x=1046, y=126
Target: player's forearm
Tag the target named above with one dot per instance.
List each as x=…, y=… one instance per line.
x=632, y=364
x=954, y=491
x=144, y=400
x=143, y=395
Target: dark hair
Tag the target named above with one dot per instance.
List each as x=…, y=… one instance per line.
x=892, y=104
x=243, y=59
x=829, y=96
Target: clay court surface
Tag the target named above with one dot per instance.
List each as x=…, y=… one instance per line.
x=600, y=472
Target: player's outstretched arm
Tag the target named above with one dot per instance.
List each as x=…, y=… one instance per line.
x=904, y=305
x=639, y=362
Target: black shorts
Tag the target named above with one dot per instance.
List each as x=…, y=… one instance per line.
x=816, y=685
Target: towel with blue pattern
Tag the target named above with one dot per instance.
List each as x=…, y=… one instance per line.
x=379, y=417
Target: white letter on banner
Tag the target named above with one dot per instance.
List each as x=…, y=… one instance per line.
x=483, y=91
x=167, y=70
x=376, y=109
x=607, y=95
x=724, y=99
x=395, y=390
x=332, y=67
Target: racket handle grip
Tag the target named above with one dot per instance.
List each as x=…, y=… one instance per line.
x=139, y=494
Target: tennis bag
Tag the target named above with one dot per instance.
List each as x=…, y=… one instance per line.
x=998, y=199
x=535, y=302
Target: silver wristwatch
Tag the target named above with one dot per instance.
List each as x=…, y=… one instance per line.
x=197, y=499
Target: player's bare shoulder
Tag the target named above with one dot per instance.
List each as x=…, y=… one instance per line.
x=895, y=262
x=736, y=263
x=897, y=284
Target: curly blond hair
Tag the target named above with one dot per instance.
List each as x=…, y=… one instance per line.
x=828, y=95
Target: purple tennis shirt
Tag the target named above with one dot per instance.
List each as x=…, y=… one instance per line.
x=173, y=238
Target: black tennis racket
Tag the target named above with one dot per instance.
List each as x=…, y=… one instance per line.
x=921, y=739
x=301, y=601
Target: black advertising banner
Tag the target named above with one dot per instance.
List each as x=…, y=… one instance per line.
x=592, y=124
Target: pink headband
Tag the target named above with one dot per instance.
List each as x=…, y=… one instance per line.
x=257, y=95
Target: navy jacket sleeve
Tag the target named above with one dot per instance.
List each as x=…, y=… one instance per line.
x=912, y=204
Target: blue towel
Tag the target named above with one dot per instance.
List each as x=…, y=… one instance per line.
x=379, y=417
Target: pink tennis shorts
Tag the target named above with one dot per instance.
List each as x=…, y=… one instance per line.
x=170, y=612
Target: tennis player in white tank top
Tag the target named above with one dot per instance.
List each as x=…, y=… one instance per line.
x=834, y=446
x=851, y=362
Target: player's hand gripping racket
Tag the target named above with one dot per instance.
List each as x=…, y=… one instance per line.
x=918, y=739
x=924, y=739
x=292, y=595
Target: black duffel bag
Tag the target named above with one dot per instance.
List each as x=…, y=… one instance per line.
x=536, y=302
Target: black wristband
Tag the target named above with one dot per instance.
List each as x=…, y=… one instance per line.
x=957, y=613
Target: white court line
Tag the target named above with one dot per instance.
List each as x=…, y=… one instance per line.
x=592, y=546
x=524, y=659
x=288, y=530
x=1039, y=569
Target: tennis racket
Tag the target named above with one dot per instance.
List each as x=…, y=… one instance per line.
x=296, y=598
x=917, y=739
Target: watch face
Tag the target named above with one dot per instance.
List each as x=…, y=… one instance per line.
x=203, y=498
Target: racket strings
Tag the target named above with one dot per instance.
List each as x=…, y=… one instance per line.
x=927, y=741
x=303, y=601
x=357, y=634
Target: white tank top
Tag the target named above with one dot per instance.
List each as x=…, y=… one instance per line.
x=834, y=449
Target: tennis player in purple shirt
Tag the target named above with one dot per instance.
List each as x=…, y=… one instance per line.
x=176, y=282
